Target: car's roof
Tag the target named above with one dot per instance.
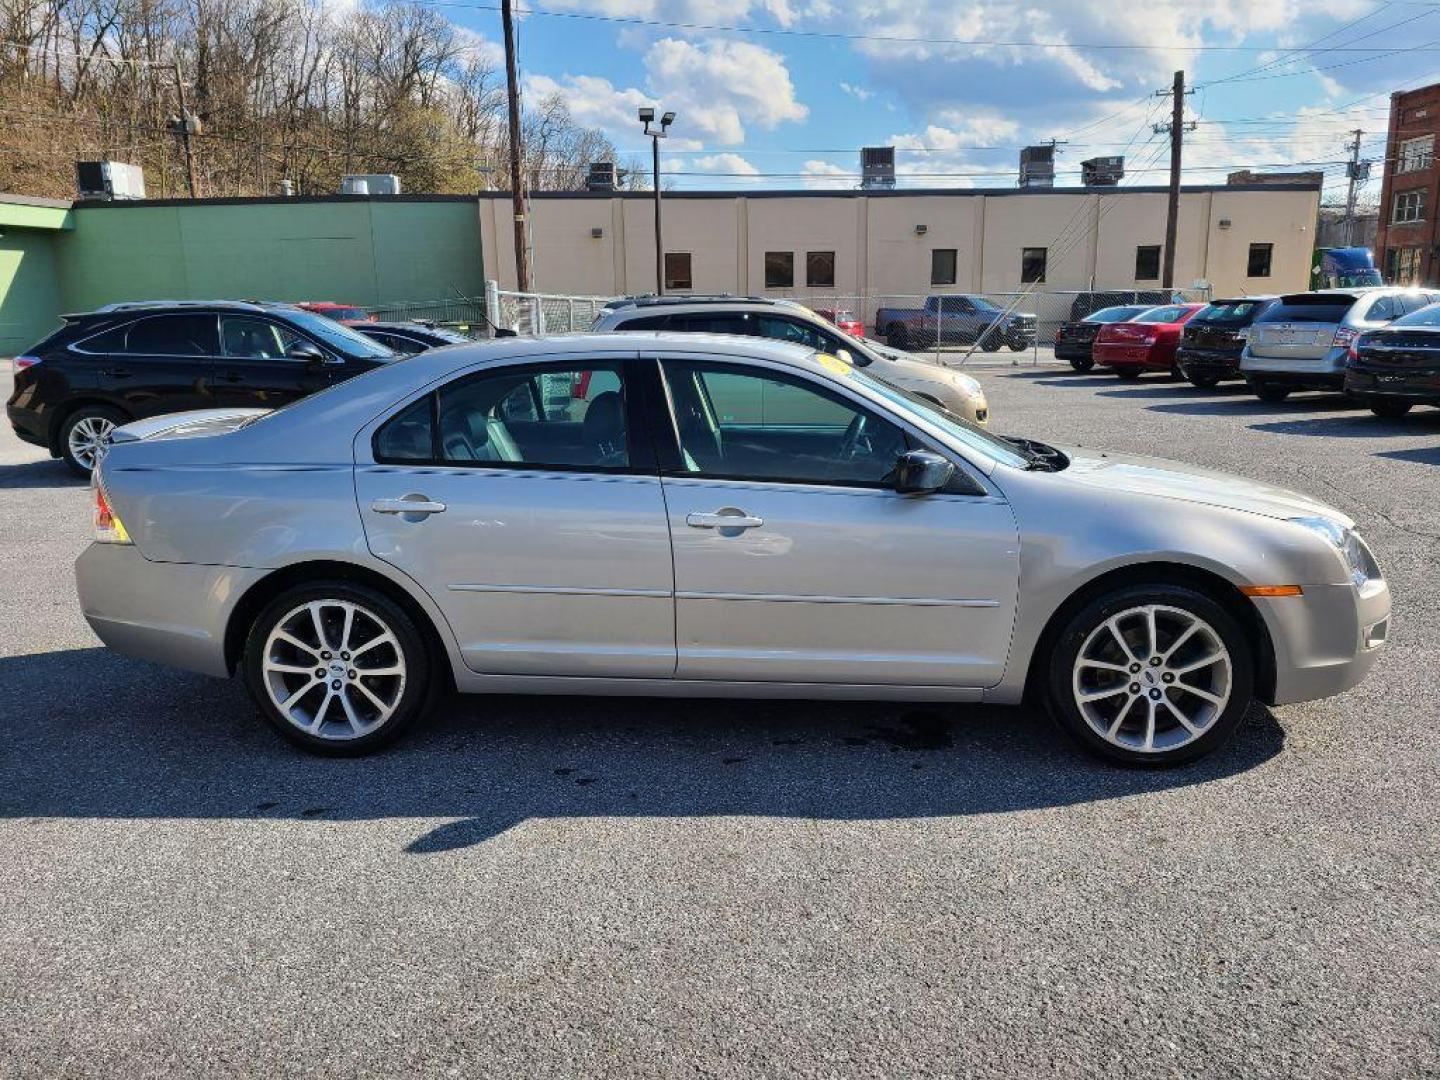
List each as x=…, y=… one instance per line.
x=185, y=305
x=398, y=325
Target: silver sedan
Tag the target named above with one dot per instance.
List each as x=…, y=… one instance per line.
x=690, y=515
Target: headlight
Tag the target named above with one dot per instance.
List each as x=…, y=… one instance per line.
x=1347, y=543
x=968, y=384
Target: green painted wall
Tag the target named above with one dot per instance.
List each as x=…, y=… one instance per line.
x=29, y=289
x=367, y=252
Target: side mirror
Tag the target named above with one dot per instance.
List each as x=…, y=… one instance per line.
x=920, y=472
x=307, y=351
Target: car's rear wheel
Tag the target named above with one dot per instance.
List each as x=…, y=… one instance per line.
x=337, y=668
x=1129, y=374
x=1205, y=381
x=85, y=436
x=1017, y=344
x=1270, y=392
x=1390, y=408
x=1151, y=675
x=897, y=336
x=991, y=343
x=1082, y=363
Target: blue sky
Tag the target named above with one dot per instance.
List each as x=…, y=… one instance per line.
x=784, y=100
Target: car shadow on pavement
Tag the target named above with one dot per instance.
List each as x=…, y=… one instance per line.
x=1360, y=425
x=1213, y=403
x=1425, y=455
x=39, y=474
x=90, y=734
x=1077, y=380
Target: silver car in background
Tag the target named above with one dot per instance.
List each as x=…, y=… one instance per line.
x=1301, y=341
x=789, y=320
x=696, y=515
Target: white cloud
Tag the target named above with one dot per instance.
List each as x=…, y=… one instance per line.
x=828, y=175
x=713, y=12
x=476, y=46
x=857, y=92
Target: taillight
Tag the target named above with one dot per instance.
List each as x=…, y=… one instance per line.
x=108, y=527
x=1351, y=354
x=23, y=362
x=1345, y=336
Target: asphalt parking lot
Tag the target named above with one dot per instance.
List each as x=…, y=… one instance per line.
x=573, y=887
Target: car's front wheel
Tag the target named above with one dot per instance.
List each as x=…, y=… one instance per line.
x=1151, y=675
x=337, y=668
x=85, y=436
x=1390, y=408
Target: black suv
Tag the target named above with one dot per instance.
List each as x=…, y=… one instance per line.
x=411, y=337
x=126, y=362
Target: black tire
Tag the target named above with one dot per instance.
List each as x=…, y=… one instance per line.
x=1059, y=680
x=1082, y=364
x=1017, y=344
x=1205, y=381
x=897, y=336
x=414, y=695
x=85, y=413
x=1129, y=374
x=991, y=343
x=1390, y=408
x=1271, y=393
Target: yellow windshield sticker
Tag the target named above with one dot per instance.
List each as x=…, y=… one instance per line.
x=833, y=363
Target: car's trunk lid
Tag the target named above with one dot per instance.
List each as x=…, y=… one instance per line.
x=186, y=425
x=1301, y=326
x=1400, y=348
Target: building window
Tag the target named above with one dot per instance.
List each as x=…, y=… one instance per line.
x=1032, y=266
x=1147, y=262
x=1402, y=266
x=942, y=266
x=1415, y=154
x=1409, y=206
x=779, y=269
x=677, y=270
x=820, y=268
x=1259, y=261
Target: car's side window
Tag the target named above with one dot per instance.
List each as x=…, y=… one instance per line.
x=243, y=337
x=708, y=323
x=408, y=436
x=783, y=329
x=1383, y=310
x=744, y=424
x=649, y=322
x=548, y=416
x=173, y=335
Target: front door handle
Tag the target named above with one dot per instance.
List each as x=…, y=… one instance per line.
x=410, y=504
x=116, y=373
x=231, y=376
x=726, y=518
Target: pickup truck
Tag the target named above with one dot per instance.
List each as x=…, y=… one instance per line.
x=955, y=320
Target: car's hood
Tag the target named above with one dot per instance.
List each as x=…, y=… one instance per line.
x=1174, y=480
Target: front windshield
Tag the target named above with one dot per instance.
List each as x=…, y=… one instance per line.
x=957, y=427
x=338, y=337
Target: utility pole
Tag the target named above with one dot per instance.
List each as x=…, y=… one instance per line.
x=183, y=128
x=1359, y=172
x=647, y=117
x=1177, y=128
x=517, y=196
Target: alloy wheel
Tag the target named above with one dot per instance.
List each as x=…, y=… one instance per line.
x=89, y=440
x=1152, y=678
x=334, y=669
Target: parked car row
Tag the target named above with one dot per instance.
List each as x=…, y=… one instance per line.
x=1380, y=345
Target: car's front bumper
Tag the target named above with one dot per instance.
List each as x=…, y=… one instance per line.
x=1417, y=386
x=1327, y=639
x=169, y=613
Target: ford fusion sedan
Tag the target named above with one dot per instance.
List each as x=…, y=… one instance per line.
x=1145, y=343
x=1074, y=340
x=696, y=515
x=129, y=361
x=1394, y=369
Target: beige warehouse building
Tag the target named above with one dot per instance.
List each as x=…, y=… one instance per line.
x=1238, y=239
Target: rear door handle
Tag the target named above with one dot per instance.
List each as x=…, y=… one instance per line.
x=231, y=376
x=410, y=504
x=728, y=518
x=116, y=373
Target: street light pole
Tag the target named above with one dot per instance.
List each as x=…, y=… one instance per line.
x=647, y=117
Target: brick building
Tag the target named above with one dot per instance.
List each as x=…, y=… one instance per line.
x=1407, y=245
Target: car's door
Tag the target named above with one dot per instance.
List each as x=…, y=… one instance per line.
x=167, y=365
x=255, y=369
x=796, y=561
x=524, y=503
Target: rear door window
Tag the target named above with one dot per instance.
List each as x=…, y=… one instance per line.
x=718, y=322
x=173, y=335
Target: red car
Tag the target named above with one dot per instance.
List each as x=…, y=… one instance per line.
x=338, y=312
x=844, y=319
x=1145, y=343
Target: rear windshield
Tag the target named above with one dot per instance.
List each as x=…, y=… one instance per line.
x=1426, y=316
x=1314, y=308
x=1115, y=314
x=1163, y=314
x=1238, y=312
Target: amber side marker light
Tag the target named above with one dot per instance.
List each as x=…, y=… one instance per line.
x=1272, y=590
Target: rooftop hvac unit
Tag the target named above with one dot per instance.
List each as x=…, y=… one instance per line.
x=601, y=176
x=370, y=184
x=1102, y=171
x=877, y=167
x=1037, y=167
x=109, y=180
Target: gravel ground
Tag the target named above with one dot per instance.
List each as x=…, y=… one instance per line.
x=535, y=887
